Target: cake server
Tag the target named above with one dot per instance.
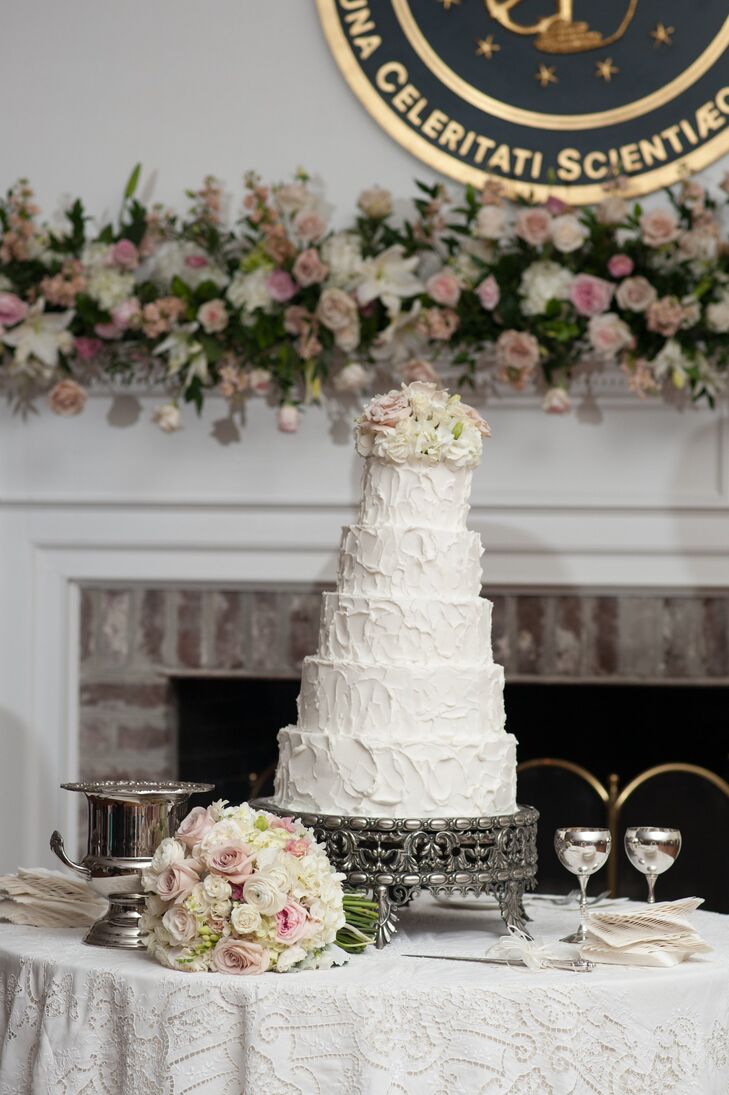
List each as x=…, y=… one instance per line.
x=578, y=965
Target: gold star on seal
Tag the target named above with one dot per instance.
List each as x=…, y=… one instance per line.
x=605, y=70
x=448, y=4
x=486, y=47
x=663, y=35
x=546, y=75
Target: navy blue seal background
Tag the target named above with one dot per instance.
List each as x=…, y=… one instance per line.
x=550, y=96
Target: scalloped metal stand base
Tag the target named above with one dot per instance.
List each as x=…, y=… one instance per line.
x=396, y=858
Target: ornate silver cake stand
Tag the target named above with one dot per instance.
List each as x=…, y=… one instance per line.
x=397, y=858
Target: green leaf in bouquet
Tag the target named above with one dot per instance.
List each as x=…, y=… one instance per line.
x=181, y=289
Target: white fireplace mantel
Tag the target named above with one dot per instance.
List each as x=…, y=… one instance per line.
x=639, y=500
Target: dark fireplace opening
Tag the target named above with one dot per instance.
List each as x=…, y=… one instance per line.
x=227, y=730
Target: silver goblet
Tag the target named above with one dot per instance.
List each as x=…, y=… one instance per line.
x=652, y=851
x=583, y=852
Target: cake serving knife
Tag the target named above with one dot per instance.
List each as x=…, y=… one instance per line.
x=578, y=965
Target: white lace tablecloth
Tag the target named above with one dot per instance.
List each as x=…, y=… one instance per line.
x=77, y=1020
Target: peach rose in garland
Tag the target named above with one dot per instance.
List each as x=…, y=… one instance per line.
x=608, y=334
x=193, y=828
x=517, y=352
x=490, y=223
x=213, y=316
x=418, y=369
x=568, y=233
x=635, y=294
x=590, y=295
x=557, y=401
x=444, y=288
x=534, y=226
x=659, y=227
x=287, y=418
x=309, y=225
x=239, y=956
x=309, y=269
x=67, y=398
x=665, y=316
x=375, y=203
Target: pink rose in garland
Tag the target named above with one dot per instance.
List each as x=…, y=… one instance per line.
x=444, y=288
x=87, y=348
x=287, y=418
x=12, y=309
x=608, y=334
x=534, y=226
x=620, y=266
x=213, y=316
x=488, y=293
x=125, y=254
x=590, y=295
x=281, y=286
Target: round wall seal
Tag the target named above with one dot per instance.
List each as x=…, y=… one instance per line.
x=547, y=96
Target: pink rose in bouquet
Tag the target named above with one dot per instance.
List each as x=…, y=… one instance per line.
x=659, y=227
x=195, y=826
x=534, y=226
x=239, y=956
x=67, y=398
x=444, y=288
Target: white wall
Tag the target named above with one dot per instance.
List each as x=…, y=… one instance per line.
x=190, y=88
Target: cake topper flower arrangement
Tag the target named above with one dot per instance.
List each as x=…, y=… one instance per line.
x=424, y=424
x=243, y=891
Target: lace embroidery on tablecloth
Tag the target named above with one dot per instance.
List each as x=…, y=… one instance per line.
x=97, y=1033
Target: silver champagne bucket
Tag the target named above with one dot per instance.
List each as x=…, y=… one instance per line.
x=128, y=819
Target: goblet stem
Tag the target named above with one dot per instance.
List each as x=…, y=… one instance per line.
x=651, y=887
x=582, y=878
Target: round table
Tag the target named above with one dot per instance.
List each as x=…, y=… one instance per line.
x=77, y=1020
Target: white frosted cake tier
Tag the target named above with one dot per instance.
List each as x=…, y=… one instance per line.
x=422, y=496
x=404, y=563
x=381, y=631
x=381, y=778
x=402, y=703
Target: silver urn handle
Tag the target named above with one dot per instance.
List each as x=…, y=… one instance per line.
x=58, y=847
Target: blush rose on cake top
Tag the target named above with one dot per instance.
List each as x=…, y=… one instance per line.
x=424, y=424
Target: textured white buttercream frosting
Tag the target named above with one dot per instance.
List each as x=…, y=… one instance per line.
x=401, y=710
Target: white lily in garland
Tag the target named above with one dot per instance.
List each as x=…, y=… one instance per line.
x=39, y=339
x=181, y=349
x=389, y=277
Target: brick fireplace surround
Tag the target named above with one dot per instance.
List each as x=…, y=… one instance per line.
x=135, y=639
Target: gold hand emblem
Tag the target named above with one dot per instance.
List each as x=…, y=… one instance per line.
x=558, y=33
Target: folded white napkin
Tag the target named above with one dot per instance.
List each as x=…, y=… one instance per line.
x=644, y=935
x=48, y=899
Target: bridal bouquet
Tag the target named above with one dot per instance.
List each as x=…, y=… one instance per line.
x=243, y=891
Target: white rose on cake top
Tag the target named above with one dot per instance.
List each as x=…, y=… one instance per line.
x=421, y=423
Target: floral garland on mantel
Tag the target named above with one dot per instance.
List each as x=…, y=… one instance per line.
x=281, y=306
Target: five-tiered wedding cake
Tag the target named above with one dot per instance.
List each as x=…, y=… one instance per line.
x=401, y=711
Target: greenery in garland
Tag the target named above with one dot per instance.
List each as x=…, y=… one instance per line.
x=278, y=305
